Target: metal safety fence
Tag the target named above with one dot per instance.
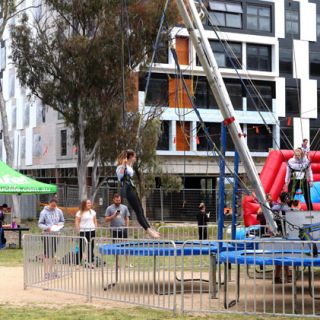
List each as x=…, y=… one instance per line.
x=159, y=205
x=252, y=276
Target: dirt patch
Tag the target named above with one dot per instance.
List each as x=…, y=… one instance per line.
x=12, y=293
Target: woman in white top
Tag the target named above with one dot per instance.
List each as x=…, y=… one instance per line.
x=86, y=223
x=125, y=173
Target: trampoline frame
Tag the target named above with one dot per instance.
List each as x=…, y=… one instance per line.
x=295, y=270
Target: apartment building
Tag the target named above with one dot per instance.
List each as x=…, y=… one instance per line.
x=277, y=45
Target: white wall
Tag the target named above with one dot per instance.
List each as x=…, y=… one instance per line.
x=300, y=130
x=309, y=98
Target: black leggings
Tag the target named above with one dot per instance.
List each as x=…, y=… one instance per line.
x=302, y=184
x=88, y=235
x=134, y=201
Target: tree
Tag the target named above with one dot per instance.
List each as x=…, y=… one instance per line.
x=71, y=60
x=9, y=9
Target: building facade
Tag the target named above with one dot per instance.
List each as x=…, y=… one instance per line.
x=273, y=45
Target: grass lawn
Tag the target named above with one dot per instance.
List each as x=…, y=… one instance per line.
x=11, y=258
x=83, y=312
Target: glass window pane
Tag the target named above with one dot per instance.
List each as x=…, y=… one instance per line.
x=264, y=24
x=218, y=18
x=252, y=10
x=252, y=23
x=285, y=63
x=234, y=7
x=264, y=12
x=201, y=96
x=217, y=6
x=264, y=51
x=221, y=59
x=233, y=20
x=252, y=51
x=314, y=64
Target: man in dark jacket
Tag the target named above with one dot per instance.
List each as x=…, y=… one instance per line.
x=203, y=219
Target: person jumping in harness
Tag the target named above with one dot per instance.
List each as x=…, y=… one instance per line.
x=299, y=176
x=125, y=173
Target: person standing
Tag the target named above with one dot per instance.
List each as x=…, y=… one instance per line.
x=86, y=223
x=299, y=176
x=125, y=174
x=203, y=219
x=51, y=221
x=118, y=216
x=305, y=148
x=280, y=209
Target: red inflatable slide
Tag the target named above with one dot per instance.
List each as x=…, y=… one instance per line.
x=272, y=178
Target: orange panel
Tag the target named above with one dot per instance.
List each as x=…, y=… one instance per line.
x=182, y=48
x=178, y=97
x=183, y=136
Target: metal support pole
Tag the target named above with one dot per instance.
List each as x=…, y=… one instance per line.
x=222, y=166
x=161, y=204
x=234, y=195
x=211, y=70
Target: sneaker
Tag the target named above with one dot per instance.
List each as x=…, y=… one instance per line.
x=130, y=265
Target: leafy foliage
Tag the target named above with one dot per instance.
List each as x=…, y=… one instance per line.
x=70, y=58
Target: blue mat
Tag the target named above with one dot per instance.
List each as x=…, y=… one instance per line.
x=280, y=258
x=162, y=248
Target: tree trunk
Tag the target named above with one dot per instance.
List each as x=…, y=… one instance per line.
x=9, y=152
x=82, y=160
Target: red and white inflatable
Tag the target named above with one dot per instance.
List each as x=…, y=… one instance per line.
x=272, y=178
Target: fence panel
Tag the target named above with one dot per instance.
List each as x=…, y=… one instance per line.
x=138, y=272
x=52, y=262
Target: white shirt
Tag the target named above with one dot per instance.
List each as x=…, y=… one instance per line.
x=87, y=220
x=300, y=167
x=129, y=169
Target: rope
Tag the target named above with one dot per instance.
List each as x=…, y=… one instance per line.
x=156, y=44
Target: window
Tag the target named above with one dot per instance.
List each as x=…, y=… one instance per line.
x=2, y=55
x=163, y=142
x=314, y=64
x=26, y=114
x=63, y=142
x=314, y=133
x=258, y=18
x=214, y=130
x=37, y=145
x=234, y=89
x=205, y=99
x=292, y=102
x=201, y=93
x=157, y=91
x=161, y=55
x=183, y=136
x=286, y=133
x=316, y=122
x=23, y=147
x=258, y=57
x=60, y=116
x=41, y=113
x=285, y=60
x=226, y=14
x=292, y=22
x=14, y=117
x=11, y=83
x=258, y=137
x=318, y=25
x=228, y=57
x=265, y=90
